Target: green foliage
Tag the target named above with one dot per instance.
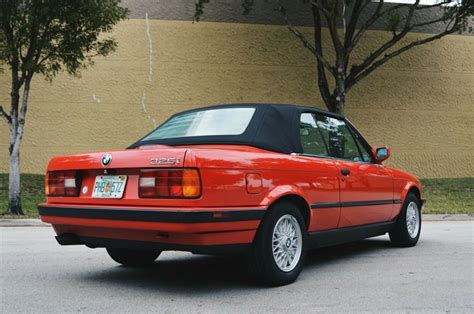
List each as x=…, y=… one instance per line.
x=199, y=9
x=247, y=6
x=200, y=4
x=449, y=196
x=461, y=12
x=32, y=190
x=393, y=21
x=47, y=36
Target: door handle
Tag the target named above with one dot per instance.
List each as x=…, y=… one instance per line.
x=345, y=172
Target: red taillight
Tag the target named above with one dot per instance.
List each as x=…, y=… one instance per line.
x=176, y=183
x=63, y=183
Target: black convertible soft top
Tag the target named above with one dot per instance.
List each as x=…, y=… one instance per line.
x=273, y=127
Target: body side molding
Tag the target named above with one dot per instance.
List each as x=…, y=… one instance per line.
x=348, y=234
x=354, y=204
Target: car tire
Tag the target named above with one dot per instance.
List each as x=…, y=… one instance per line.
x=133, y=258
x=407, y=229
x=278, y=263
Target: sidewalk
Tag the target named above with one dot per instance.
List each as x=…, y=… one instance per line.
x=448, y=217
x=20, y=222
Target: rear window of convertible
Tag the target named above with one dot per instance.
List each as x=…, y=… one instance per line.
x=212, y=122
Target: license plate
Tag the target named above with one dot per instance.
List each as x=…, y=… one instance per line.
x=109, y=186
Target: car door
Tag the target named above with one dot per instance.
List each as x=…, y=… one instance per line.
x=366, y=188
x=323, y=176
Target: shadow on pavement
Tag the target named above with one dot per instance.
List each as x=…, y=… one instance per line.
x=204, y=274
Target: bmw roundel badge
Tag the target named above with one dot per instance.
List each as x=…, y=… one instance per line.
x=106, y=160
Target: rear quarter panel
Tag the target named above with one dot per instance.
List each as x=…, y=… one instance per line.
x=224, y=172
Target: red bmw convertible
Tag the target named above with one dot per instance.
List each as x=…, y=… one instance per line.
x=265, y=181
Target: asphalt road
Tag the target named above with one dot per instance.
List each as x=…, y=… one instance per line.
x=38, y=275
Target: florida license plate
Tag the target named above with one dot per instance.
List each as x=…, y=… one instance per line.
x=109, y=186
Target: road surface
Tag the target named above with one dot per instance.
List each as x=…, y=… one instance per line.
x=38, y=275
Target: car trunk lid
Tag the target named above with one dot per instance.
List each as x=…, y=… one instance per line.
x=126, y=164
x=152, y=157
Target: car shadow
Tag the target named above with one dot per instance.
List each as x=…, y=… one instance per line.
x=204, y=274
x=323, y=257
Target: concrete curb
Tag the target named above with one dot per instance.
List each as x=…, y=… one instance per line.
x=448, y=217
x=20, y=222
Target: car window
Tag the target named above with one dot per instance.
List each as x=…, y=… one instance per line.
x=311, y=138
x=211, y=122
x=339, y=139
x=366, y=155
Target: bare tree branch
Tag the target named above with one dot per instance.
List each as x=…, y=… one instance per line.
x=378, y=13
x=7, y=118
x=351, y=27
x=322, y=79
x=306, y=42
x=308, y=45
x=357, y=69
x=389, y=56
x=430, y=6
x=344, y=26
x=454, y=22
x=320, y=7
x=332, y=25
x=349, y=16
x=357, y=8
x=370, y=21
x=441, y=19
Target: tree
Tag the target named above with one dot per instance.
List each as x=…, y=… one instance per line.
x=348, y=21
x=45, y=37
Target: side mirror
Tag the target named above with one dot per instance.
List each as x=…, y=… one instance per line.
x=382, y=153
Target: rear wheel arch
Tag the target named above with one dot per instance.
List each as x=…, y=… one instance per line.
x=299, y=202
x=414, y=190
x=268, y=251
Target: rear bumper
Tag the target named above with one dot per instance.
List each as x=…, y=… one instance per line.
x=92, y=242
x=152, y=214
x=167, y=228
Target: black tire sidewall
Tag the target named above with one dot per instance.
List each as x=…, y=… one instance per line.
x=400, y=234
x=133, y=258
x=269, y=271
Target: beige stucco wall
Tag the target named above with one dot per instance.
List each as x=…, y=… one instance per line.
x=420, y=104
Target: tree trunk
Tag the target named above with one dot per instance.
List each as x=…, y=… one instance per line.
x=339, y=95
x=14, y=197
x=339, y=102
x=16, y=135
